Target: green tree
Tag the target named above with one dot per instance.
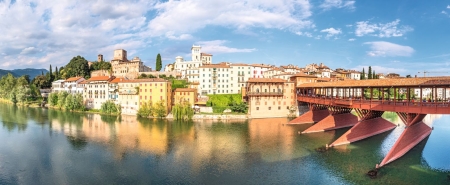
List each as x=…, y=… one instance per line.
x=110, y=107
x=363, y=75
x=160, y=109
x=62, y=98
x=158, y=62
x=369, y=74
x=408, y=76
x=50, y=74
x=182, y=111
x=374, y=75
x=78, y=66
x=145, y=110
x=102, y=65
x=53, y=99
x=40, y=81
x=56, y=73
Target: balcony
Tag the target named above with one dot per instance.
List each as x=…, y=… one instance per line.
x=240, y=74
x=264, y=93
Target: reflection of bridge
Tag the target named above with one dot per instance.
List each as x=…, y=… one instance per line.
x=330, y=105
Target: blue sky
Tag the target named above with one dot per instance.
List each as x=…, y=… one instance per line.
x=401, y=36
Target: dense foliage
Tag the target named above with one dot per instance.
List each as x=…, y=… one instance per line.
x=109, y=107
x=102, y=65
x=145, y=110
x=183, y=111
x=66, y=101
x=78, y=66
x=17, y=90
x=149, y=109
x=221, y=102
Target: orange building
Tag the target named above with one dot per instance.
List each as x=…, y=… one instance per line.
x=185, y=94
x=269, y=97
x=154, y=90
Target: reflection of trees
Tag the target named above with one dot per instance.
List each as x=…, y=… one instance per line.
x=14, y=117
x=77, y=143
x=108, y=119
x=71, y=118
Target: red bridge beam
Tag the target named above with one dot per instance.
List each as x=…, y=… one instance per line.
x=316, y=113
x=339, y=118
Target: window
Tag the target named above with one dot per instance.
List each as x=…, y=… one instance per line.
x=257, y=108
x=279, y=107
x=287, y=107
x=270, y=108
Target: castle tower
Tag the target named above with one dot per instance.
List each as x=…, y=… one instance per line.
x=196, y=50
x=100, y=57
x=120, y=54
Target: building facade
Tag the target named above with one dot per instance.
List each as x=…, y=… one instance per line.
x=266, y=96
x=154, y=90
x=96, y=91
x=122, y=67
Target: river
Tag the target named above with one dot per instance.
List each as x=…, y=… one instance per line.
x=44, y=146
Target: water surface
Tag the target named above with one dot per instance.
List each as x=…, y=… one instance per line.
x=40, y=146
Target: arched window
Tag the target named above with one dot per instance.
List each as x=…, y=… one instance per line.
x=257, y=90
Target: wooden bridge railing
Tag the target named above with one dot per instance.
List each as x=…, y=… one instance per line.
x=441, y=107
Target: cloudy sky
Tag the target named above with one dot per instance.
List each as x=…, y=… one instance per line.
x=399, y=36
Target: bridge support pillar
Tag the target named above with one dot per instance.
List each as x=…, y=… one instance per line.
x=316, y=113
x=339, y=117
x=370, y=124
x=416, y=130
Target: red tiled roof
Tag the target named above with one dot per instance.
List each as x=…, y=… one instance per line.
x=73, y=79
x=117, y=80
x=302, y=74
x=250, y=80
x=101, y=78
x=185, y=90
x=206, y=54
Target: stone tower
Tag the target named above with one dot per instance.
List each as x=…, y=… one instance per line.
x=100, y=57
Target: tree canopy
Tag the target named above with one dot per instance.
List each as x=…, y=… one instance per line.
x=78, y=66
x=102, y=65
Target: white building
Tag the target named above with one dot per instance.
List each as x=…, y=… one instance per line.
x=198, y=59
x=214, y=79
x=58, y=86
x=239, y=75
x=96, y=91
x=71, y=85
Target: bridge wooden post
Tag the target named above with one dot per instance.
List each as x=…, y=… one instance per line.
x=316, y=113
x=416, y=130
x=340, y=117
x=370, y=124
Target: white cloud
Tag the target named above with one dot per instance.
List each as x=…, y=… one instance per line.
x=390, y=29
x=448, y=6
x=444, y=12
x=217, y=46
x=307, y=34
x=330, y=4
x=331, y=32
x=383, y=49
x=351, y=39
x=54, y=31
x=185, y=17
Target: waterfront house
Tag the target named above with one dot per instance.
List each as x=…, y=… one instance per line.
x=269, y=97
x=185, y=95
x=71, y=85
x=154, y=90
x=96, y=91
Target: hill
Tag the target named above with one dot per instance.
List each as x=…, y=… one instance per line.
x=29, y=71
x=5, y=72
x=19, y=72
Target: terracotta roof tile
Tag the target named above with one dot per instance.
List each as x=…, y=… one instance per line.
x=206, y=54
x=144, y=80
x=101, y=78
x=185, y=90
x=73, y=79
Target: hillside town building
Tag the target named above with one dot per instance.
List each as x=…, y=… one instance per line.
x=122, y=67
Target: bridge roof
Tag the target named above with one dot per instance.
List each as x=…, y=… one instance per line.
x=397, y=82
